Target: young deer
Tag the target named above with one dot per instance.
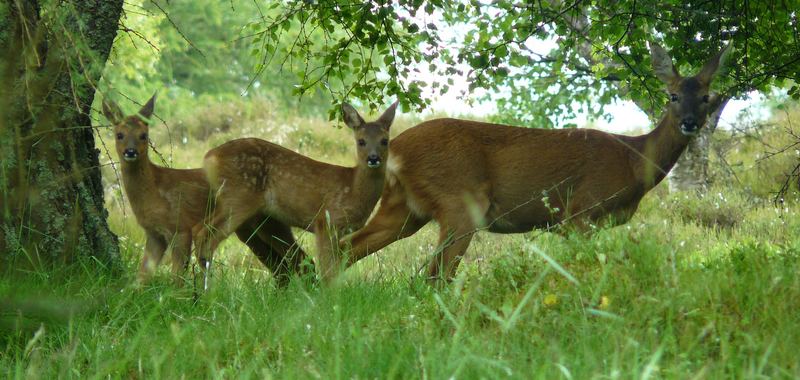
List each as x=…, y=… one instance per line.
x=252, y=176
x=168, y=202
x=509, y=180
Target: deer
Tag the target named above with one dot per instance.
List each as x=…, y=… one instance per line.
x=250, y=176
x=470, y=176
x=168, y=203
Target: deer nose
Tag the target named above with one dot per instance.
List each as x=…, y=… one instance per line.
x=373, y=160
x=130, y=154
x=689, y=125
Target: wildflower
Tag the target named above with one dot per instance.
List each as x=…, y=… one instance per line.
x=550, y=300
x=605, y=302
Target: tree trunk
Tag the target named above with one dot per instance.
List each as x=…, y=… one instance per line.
x=51, y=194
x=690, y=173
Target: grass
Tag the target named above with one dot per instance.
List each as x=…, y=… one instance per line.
x=689, y=288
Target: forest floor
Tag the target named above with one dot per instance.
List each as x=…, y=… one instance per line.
x=691, y=287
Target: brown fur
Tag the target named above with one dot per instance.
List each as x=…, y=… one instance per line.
x=253, y=176
x=168, y=203
x=468, y=175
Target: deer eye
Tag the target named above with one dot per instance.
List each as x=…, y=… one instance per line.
x=143, y=136
x=385, y=142
x=361, y=142
x=705, y=98
x=120, y=136
x=674, y=98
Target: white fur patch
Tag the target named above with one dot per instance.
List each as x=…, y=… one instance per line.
x=414, y=206
x=394, y=164
x=393, y=167
x=211, y=168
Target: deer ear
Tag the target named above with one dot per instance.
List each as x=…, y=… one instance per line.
x=147, y=109
x=706, y=74
x=351, y=116
x=662, y=64
x=388, y=116
x=111, y=111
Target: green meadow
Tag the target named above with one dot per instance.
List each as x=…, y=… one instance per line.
x=692, y=287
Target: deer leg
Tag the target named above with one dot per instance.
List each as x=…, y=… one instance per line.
x=273, y=244
x=393, y=221
x=327, y=260
x=181, y=252
x=154, y=249
x=203, y=237
x=291, y=256
x=223, y=222
x=456, y=228
x=249, y=233
x=453, y=243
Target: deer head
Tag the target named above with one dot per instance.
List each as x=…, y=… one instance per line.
x=690, y=100
x=372, y=138
x=131, y=132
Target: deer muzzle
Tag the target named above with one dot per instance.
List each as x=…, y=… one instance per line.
x=373, y=161
x=689, y=126
x=130, y=155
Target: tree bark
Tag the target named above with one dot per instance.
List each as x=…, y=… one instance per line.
x=51, y=194
x=690, y=173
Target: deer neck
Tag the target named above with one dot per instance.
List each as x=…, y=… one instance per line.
x=660, y=150
x=138, y=177
x=367, y=186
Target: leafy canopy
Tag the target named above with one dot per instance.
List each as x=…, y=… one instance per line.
x=374, y=49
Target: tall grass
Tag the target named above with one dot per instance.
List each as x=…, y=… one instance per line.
x=691, y=287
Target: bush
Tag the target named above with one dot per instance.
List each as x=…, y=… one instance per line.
x=759, y=156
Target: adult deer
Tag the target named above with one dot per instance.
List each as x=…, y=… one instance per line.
x=251, y=176
x=168, y=203
x=468, y=175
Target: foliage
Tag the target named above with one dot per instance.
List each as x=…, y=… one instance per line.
x=601, y=53
x=758, y=156
x=543, y=60
x=362, y=50
x=195, y=51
